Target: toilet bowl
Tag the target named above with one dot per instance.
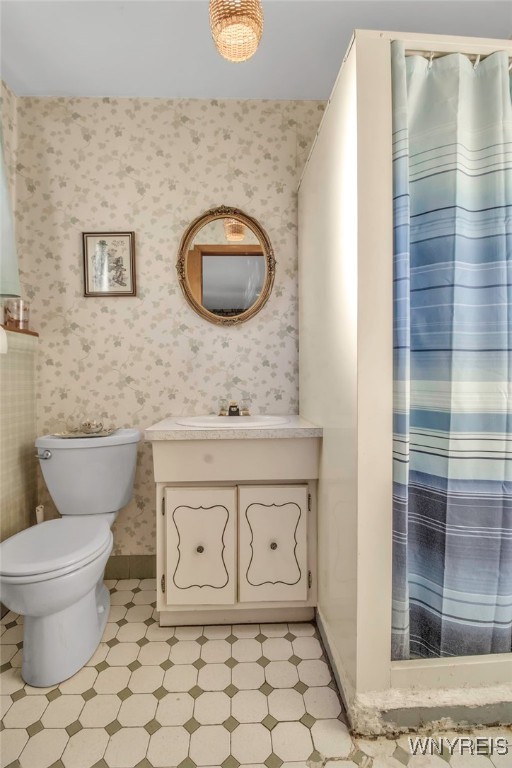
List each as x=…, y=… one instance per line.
x=52, y=573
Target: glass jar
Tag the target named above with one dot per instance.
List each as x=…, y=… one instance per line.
x=16, y=314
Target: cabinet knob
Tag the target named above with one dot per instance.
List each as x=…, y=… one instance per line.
x=200, y=549
x=273, y=545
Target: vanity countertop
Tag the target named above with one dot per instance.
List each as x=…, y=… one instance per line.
x=169, y=429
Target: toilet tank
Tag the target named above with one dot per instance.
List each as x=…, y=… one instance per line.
x=89, y=476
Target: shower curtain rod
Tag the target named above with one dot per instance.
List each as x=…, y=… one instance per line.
x=476, y=58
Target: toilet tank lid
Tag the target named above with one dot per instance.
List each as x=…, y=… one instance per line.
x=53, y=545
x=119, y=437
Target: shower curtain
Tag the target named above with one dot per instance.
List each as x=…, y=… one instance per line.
x=452, y=461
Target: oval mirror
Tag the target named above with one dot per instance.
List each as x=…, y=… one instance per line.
x=226, y=266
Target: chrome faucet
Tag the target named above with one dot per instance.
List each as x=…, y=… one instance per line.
x=232, y=408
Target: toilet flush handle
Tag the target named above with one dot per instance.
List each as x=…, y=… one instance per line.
x=46, y=454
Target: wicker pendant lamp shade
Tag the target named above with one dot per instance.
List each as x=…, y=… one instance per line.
x=234, y=230
x=237, y=26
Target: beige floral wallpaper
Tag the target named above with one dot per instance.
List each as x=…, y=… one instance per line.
x=151, y=166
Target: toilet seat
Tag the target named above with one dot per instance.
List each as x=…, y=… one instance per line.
x=54, y=547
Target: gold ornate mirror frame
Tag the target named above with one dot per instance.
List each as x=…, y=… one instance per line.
x=185, y=245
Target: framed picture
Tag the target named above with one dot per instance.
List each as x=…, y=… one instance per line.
x=109, y=263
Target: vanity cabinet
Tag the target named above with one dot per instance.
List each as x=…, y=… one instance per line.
x=236, y=524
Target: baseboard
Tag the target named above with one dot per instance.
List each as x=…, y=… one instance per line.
x=131, y=567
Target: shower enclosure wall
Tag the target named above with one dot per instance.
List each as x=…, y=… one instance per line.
x=346, y=386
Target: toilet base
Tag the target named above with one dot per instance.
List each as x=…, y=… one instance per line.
x=55, y=647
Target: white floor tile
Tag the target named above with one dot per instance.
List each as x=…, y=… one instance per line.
x=138, y=709
x=251, y=743
x=212, y=708
x=210, y=745
x=10, y=681
x=168, y=746
x=249, y=706
x=112, y=680
x=157, y=633
x=127, y=747
x=246, y=650
x=130, y=633
x=215, y=651
x=122, y=654
x=175, y=709
x=25, y=711
x=117, y=612
x=292, y=741
x=217, y=632
x=214, y=677
x=188, y=633
x=121, y=598
x=62, y=711
x=100, y=711
x=153, y=653
x=185, y=652
x=277, y=649
x=147, y=584
x=81, y=682
x=322, y=702
x=302, y=630
x=314, y=672
x=281, y=674
x=85, y=748
x=247, y=676
x=331, y=738
x=274, y=630
x=13, y=741
x=99, y=655
x=127, y=584
x=146, y=679
x=44, y=748
x=147, y=597
x=286, y=704
x=307, y=648
x=244, y=631
x=181, y=678
x=139, y=613
x=5, y=703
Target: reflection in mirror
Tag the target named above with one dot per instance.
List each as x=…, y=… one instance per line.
x=226, y=266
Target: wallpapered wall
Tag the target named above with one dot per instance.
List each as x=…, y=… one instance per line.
x=151, y=166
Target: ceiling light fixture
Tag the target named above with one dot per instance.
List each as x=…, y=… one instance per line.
x=234, y=230
x=236, y=26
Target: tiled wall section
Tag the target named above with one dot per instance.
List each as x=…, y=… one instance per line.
x=18, y=487
x=152, y=165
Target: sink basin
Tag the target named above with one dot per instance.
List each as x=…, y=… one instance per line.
x=232, y=422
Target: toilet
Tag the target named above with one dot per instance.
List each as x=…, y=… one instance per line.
x=52, y=573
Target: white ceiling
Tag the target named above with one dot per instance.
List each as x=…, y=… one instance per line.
x=163, y=47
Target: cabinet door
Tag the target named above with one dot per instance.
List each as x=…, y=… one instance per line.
x=200, y=557
x=273, y=543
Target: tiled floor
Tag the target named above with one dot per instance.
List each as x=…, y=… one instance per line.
x=157, y=697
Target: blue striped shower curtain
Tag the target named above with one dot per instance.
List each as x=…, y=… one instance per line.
x=452, y=490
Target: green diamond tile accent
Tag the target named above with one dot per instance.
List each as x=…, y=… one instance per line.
x=262, y=661
x=273, y=761
x=231, y=690
x=152, y=727
x=199, y=664
x=134, y=665
x=74, y=728
x=144, y=763
x=269, y=722
x=89, y=694
x=308, y=720
x=202, y=640
x=100, y=764
x=358, y=757
x=260, y=638
x=196, y=691
x=51, y=695
x=187, y=763
x=172, y=641
x=136, y=589
x=160, y=693
x=18, y=694
x=231, y=639
x=112, y=642
x=149, y=622
x=5, y=667
x=230, y=762
x=401, y=755
x=294, y=660
x=167, y=664
x=231, y=662
x=129, y=605
x=35, y=728
x=300, y=687
x=113, y=727
x=122, y=622
x=191, y=725
x=290, y=637
x=316, y=757
x=266, y=689
x=15, y=764
x=10, y=625
x=142, y=641
x=101, y=666
x=124, y=694
x=58, y=764
x=230, y=724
